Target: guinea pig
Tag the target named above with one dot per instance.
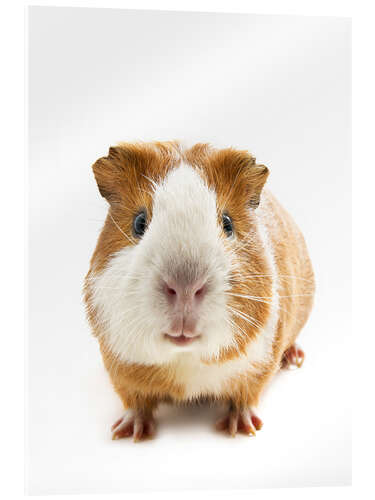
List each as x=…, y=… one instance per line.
x=199, y=284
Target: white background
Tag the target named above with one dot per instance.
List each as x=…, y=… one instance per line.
x=279, y=86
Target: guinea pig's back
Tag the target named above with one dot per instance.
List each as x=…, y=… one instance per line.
x=296, y=284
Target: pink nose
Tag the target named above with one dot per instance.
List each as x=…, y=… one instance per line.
x=181, y=295
x=184, y=301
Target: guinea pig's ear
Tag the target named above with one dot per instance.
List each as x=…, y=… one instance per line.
x=257, y=176
x=109, y=172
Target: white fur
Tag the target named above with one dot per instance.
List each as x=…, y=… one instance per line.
x=200, y=378
x=183, y=236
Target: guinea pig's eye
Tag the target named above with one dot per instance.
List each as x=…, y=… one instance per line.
x=227, y=225
x=140, y=224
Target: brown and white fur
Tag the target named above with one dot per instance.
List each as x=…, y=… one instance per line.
x=190, y=312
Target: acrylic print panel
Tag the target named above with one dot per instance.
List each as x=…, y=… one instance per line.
x=276, y=85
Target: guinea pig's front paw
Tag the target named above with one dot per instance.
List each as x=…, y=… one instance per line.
x=293, y=357
x=134, y=423
x=240, y=420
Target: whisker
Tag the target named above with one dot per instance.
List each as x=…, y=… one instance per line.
x=154, y=184
x=256, y=322
x=254, y=297
x=279, y=308
x=279, y=276
x=119, y=228
x=233, y=324
x=116, y=275
x=240, y=315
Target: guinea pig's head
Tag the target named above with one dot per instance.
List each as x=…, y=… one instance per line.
x=172, y=270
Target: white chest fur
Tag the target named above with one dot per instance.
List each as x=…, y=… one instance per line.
x=201, y=379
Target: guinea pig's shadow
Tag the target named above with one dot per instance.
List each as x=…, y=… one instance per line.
x=204, y=414
x=192, y=415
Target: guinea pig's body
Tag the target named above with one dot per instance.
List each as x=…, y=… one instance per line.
x=199, y=284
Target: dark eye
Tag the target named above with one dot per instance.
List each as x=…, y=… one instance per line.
x=227, y=225
x=140, y=224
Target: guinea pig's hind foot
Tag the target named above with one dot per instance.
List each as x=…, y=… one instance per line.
x=293, y=357
x=136, y=424
x=245, y=421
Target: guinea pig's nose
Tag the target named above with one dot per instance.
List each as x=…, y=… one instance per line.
x=183, y=300
x=179, y=294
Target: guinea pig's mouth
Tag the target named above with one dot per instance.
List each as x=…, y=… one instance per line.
x=181, y=339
